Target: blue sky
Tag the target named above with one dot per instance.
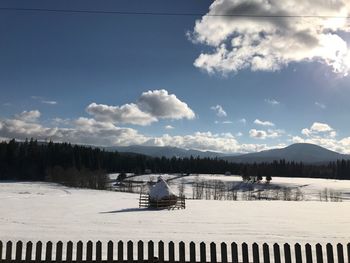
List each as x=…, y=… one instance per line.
x=54, y=65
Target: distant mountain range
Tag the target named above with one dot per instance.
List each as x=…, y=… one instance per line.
x=166, y=151
x=299, y=152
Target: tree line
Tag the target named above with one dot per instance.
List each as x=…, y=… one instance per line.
x=85, y=166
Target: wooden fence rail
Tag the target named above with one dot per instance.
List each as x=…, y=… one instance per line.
x=160, y=252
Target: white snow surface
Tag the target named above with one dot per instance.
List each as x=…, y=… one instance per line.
x=43, y=211
x=161, y=190
x=310, y=187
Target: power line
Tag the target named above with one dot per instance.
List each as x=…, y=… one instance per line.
x=164, y=13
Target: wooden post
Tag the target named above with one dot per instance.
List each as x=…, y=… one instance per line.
x=29, y=249
x=110, y=251
x=8, y=251
x=140, y=252
x=298, y=258
x=59, y=251
x=224, y=253
x=213, y=258
x=182, y=252
x=277, y=253
x=192, y=252
x=48, y=253
x=161, y=252
x=266, y=253
x=19, y=247
x=234, y=252
x=340, y=253
x=79, y=251
x=348, y=248
x=245, y=256
x=287, y=254
x=98, y=251
x=150, y=251
x=89, y=251
x=256, y=258
x=69, y=252
x=319, y=255
x=330, y=256
x=130, y=252
x=120, y=252
x=38, y=250
x=203, y=252
x=0, y=250
x=171, y=252
x=308, y=252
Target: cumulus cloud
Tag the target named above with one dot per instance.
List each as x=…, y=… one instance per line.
x=317, y=128
x=161, y=104
x=263, y=123
x=82, y=131
x=272, y=101
x=29, y=116
x=220, y=112
x=261, y=134
x=206, y=141
x=168, y=127
x=269, y=43
x=127, y=113
x=150, y=107
x=93, y=132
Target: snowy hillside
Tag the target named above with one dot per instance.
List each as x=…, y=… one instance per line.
x=42, y=211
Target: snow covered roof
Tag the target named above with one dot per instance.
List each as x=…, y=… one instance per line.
x=161, y=190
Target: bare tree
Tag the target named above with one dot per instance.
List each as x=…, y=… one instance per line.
x=181, y=187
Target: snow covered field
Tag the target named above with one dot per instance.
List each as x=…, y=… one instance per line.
x=310, y=188
x=42, y=211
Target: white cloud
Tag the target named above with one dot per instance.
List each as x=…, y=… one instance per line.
x=272, y=101
x=270, y=43
x=43, y=100
x=29, y=116
x=83, y=131
x=127, y=113
x=317, y=128
x=93, y=132
x=151, y=106
x=261, y=134
x=258, y=134
x=161, y=104
x=50, y=102
x=320, y=105
x=263, y=123
x=206, y=141
x=168, y=127
x=220, y=112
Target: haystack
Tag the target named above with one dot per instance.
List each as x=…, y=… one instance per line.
x=161, y=195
